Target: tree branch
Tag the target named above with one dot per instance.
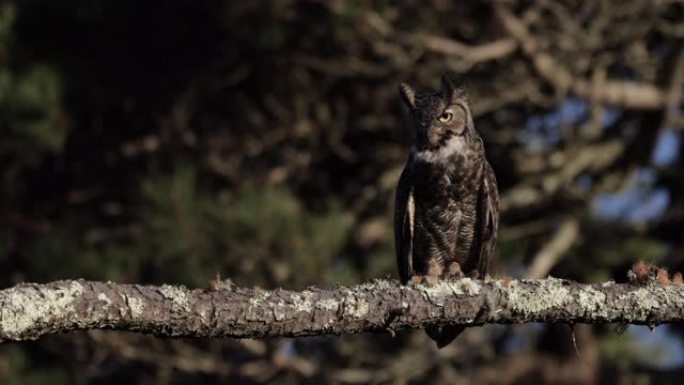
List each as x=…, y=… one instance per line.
x=29, y=311
x=637, y=95
x=553, y=251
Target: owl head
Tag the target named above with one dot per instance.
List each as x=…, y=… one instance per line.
x=441, y=120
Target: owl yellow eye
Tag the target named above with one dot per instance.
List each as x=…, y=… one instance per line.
x=446, y=117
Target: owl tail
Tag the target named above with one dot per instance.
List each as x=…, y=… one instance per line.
x=443, y=335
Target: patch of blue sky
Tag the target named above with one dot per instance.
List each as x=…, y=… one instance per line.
x=662, y=347
x=610, y=116
x=288, y=348
x=638, y=203
x=651, y=207
x=572, y=111
x=667, y=148
x=642, y=202
x=584, y=182
x=541, y=131
x=523, y=337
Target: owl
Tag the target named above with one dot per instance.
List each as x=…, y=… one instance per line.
x=446, y=208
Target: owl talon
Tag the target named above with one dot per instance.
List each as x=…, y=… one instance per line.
x=416, y=280
x=454, y=271
x=430, y=280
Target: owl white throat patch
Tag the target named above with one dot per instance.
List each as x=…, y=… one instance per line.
x=454, y=145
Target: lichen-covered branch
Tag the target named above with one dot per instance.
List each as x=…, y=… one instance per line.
x=28, y=311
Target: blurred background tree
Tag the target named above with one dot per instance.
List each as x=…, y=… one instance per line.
x=262, y=141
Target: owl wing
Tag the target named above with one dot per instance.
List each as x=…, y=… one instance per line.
x=488, y=201
x=404, y=210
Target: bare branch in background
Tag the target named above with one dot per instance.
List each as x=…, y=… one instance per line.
x=480, y=53
x=674, y=96
x=472, y=53
x=636, y=95
x=565, y=166
x=553, y=251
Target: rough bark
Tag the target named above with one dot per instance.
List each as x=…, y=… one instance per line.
x=29, y=311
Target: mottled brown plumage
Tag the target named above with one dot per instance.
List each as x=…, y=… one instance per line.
x=446, y=209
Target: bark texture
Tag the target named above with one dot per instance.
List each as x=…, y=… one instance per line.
x=28, y=311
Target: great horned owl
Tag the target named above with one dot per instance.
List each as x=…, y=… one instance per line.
x=446, y=209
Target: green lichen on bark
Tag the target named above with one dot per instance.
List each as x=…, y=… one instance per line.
x=31, y=310
x=592, y=301
x=178, y=296
x=25, y=306
x=136, y=307
x=549, y=294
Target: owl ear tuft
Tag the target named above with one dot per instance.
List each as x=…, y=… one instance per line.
x=408, y=94
x=448, y=88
